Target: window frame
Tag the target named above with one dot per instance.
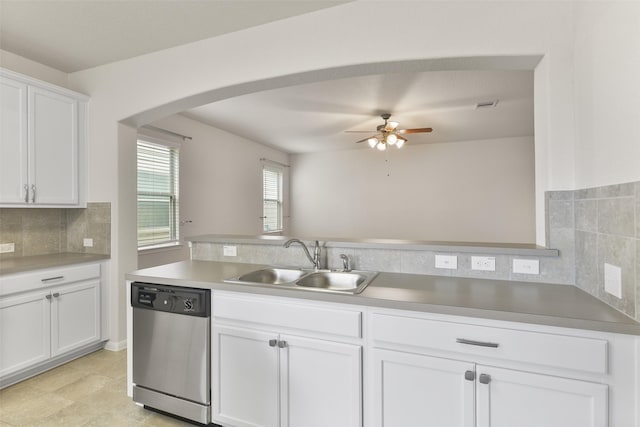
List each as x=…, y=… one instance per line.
x=279, y=200
x=173, y=195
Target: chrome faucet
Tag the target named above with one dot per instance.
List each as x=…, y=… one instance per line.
x=316, y=260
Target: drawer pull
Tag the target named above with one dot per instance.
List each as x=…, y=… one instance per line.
x=470, y=375
x=51, y=279
x=478, y=343
x=273, y=343
x=484, y=379
x=48, y=296
x=56, y=294
x=282, y=344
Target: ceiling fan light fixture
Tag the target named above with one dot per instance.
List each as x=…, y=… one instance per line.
x=381, y=146
x=391, y=139
x=392, y=125
x=373, y=142
x=400, y=142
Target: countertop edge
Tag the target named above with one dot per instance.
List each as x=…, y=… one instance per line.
x=38, y=262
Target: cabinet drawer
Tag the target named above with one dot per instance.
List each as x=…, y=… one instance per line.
x=47, y=277
x=288, y=315
x=560, y=351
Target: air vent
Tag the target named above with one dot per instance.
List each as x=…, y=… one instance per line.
x=486, y=104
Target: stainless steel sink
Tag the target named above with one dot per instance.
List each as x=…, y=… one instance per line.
x=353, y=281
x=293, y=278
x=272, y=276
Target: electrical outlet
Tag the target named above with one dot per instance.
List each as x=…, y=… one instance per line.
x=447, y=261
x=613, y=280
x=6, y=248
x=230, y=251
x=87, y=242
x=526, y=266
x=484, y=263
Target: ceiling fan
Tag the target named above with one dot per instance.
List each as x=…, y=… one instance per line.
x=388, y=134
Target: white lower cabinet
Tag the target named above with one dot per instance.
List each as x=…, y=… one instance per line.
x=49, y=321
x=277, y=377
x=25, y=336
x=417, y=390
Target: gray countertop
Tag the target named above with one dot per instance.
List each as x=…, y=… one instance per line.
x=27, y=263
x=544, y=304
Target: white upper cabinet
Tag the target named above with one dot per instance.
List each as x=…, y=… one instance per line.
x=42, y=144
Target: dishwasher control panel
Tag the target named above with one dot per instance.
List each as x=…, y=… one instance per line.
x=171, y=299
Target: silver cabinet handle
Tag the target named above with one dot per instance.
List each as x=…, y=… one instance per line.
x=484, y=379
x=282, y=344
x=478, y=343
x=470, y=375
x=26, y=193
x=33, y=193
x=56, y=294
x=48, y=296
x=51, y=279
x=273, y=343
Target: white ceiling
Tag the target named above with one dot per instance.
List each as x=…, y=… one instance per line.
x=313, y=117
x=73, y=35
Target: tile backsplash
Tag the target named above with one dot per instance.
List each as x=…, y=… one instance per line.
x=607, y=230
x=40, y=231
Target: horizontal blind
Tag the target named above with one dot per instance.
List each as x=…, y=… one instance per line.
x=157, y=194
x=272, y=199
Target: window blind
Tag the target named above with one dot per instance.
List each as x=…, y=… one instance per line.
x=158, y=208
x=272, y=199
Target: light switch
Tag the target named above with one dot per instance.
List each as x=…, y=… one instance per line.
x=87, y=242
x=447, y=261
x=7, y=247
x=613, y=280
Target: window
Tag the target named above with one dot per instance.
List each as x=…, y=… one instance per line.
x=157, y=194
x=272, y=178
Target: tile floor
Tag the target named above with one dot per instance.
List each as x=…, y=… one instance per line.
x=87, y=392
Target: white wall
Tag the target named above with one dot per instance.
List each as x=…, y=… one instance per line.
x=477, y=191
x=34, y=69
x=336, y=37
x=607, y=93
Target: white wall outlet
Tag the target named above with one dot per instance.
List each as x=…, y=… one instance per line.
x=485, y=263
x=87, y=242
x=230, y=251
x=613, y=280
x=526, y=266
x=5, y=248
x=447, y=261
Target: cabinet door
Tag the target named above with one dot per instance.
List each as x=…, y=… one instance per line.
x=510, y=398
x=321, y=383
x=13, y=141
x=24, y=331
x=75, y=316
x=53, y=147
x=419, y=391
x=244, y=377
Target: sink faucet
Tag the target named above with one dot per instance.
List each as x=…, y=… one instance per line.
x=316, y=260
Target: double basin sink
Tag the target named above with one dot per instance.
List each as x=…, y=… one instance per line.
x=353, y=281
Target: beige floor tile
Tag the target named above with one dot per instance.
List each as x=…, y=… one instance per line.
x=112, y=420
x=117, y=385
x=54, y=379
x=84, y=386
x=30, y=406
x=77, y=414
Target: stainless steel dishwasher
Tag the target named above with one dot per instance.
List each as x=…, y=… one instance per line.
x=171, y=349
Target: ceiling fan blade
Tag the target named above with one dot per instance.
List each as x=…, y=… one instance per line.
x=416, y=130
x=366, y=139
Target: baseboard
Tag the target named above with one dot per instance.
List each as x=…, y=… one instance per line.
x=116, y=346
